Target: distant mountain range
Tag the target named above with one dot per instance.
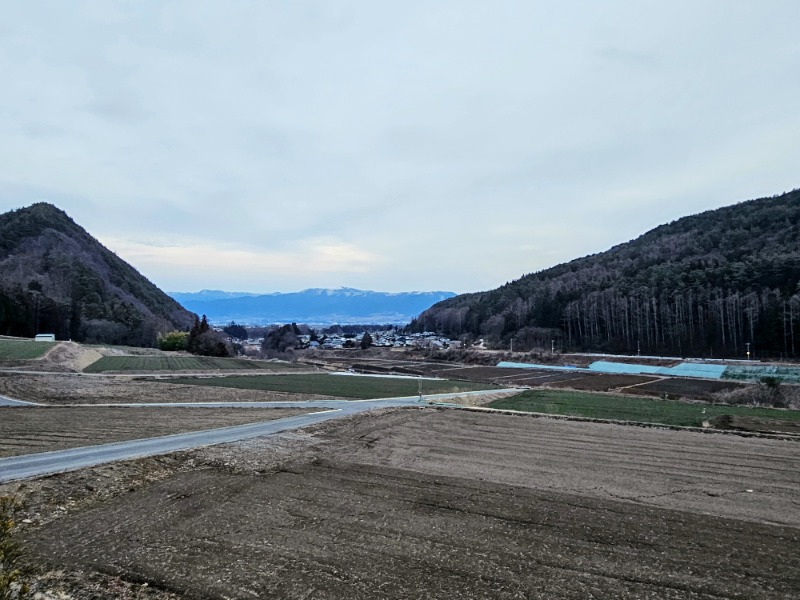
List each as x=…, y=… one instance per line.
x=56, y=278
x=719, y=283
x=315, y=306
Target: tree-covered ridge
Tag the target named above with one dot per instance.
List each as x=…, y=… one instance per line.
x=57, y=278
x=706, y=285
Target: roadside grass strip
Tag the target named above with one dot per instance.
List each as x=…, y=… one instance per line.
x=181, y=363
x=324, y=384
x=22, y=349
x=638, y=410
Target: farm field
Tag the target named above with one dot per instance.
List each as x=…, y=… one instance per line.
x=626, y=408
x=11, y=349
x=181, y=363
x=71, y=389
x=338, y=386
x=685, y=387
x=32, y=429
x=755, y=373
x=673, y=387
x=439, y=504
x=604, y=382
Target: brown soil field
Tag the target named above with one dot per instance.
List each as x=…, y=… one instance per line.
x=24, y=430
x=85, y=389
x=689, y=388
x=441, y=504
x=503, y=376
x=546, y=378
x=604, y=382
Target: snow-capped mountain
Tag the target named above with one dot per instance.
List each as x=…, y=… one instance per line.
x=314, y=306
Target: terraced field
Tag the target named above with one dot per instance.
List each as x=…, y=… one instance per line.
x=181, y=363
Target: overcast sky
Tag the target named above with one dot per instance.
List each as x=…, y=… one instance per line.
x=449, y=145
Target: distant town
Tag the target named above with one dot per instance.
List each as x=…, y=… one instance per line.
x=336, y=341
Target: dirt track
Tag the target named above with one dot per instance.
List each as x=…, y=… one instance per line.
x=446, y=504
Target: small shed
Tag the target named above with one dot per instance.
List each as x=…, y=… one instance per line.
x=45, y=337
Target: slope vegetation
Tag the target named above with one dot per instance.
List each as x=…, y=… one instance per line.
x=57, y=278
x=706, y=285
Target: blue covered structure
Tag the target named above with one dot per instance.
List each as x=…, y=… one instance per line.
x=686, y=369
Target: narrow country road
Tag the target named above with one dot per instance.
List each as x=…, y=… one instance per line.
x=4, y=401
x=47, y=463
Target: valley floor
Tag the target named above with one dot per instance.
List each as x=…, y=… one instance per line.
x=433, y=503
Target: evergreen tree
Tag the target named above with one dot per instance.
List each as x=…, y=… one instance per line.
x=366, y=340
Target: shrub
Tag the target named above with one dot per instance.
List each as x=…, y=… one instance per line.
x=174, y=340
x=13, y=573
x=764, y=393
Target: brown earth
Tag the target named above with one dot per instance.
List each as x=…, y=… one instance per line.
x=87, y=389
x=702, y=389
x=24, y=430
x=605, y=382
x=440, y=504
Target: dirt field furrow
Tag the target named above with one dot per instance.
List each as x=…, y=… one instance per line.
x=445, y=504
x=77, y=389
x=26, y=430
x=357, y=531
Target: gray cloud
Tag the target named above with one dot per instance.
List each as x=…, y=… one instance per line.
x=454, y=145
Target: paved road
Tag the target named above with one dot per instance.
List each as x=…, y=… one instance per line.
x=46, y=463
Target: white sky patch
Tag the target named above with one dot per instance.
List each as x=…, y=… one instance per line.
x=319, y=258
x=452, y=145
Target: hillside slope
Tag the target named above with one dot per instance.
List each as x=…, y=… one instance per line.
x=705, y=285
x=56, y=278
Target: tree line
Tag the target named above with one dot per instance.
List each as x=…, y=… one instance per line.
x=714, y=284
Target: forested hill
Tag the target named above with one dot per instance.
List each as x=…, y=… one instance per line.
x=705, y=285
x=56, y=278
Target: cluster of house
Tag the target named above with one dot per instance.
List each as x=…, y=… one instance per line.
x=383, y=339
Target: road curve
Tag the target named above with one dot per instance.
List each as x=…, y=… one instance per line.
x=47, y=463
x=6, y=401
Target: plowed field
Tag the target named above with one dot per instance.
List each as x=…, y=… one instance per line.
x=445, y=504
x=32, y=429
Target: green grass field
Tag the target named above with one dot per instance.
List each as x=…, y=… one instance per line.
x=626, y=408
x=360, y=388
x=22, y=349
x=180, y=363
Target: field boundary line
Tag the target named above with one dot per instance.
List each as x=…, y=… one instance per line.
x=626, y=387
x=643, y=424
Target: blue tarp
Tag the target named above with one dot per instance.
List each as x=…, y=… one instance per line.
x=681, y=370
x=515, y=365
x=603, y=366
x=699, y=370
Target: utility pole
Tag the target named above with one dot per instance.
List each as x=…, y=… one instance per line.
x=748, y=350
x=552, y=346
x=512, y=346
x=638, y=348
